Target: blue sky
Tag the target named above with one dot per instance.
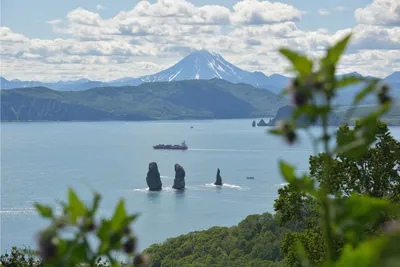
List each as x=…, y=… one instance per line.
x=112, y=39
x=37, y=12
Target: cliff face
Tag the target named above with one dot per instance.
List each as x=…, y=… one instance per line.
x=285, y=113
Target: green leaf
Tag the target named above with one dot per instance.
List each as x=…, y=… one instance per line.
x=119, y=215
x=355, y=214
x=44, y=211
x=303, y=183
x=76, y=207
x=334, y=53
x=287, y=171
x=79, y=253
x=301, y=64
x=275, y=131
x=378, y=251
x=96, y=201
x=130, y=219
x=367, y=90
x=104, y=233
x=350, y=80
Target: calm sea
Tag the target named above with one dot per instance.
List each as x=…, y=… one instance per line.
x=39, y=161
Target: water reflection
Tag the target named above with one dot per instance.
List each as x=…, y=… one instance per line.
x=153, y=196
x=180, y=193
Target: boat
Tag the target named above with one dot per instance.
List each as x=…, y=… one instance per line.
x=250, y=177
x=182, y=146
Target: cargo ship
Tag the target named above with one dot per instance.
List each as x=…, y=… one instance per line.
x=182, y=146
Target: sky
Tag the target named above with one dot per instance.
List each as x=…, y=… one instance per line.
x=47, y=40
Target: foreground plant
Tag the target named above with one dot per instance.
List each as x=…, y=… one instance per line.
x=77, y=237
x=340, y=225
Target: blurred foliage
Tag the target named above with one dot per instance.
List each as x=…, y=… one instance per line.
x=65, y=242
x=353, y=187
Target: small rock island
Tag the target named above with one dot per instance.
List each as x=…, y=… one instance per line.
x=179, y=181
x=153, y=177
x=261, y=123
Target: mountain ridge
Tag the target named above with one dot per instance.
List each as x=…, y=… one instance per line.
x=188, y=99
x=204, y=65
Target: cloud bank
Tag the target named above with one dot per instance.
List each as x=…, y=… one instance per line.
x=153, y=36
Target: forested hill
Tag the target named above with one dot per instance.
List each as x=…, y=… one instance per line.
x=194, y=99
x=256, y=241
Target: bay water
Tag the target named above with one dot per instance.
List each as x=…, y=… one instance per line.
x=40, y=161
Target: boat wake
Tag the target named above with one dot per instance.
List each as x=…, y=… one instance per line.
x=201, y=187
x=141, y=190
x=226, y=185
x=226, y=150
x=146, y=190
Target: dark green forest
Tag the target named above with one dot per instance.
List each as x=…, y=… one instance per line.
x=194, y=99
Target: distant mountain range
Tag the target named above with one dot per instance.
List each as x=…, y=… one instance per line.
x=199, y=65
x=202, y=65
x=190, y=99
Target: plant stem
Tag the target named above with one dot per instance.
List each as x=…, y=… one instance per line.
x=324, y=198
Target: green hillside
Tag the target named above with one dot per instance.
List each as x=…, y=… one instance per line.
x=392, y=117
x=255, y=242
x=194, y=99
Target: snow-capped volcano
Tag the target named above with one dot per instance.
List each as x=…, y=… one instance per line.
x=202, y=65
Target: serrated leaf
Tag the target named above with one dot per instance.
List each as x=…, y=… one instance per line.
x=130, y=219
x=119, y=215
x=355, y=214
x=334, y=53
x=301, y=64
x=104, y=247
x=377, y=251
x=104, y=230
x=76, y=207
x=44, y=211
x=96, y=201
x=275, y=131
x=287, y=171
x=304, y=183
x=350, y=80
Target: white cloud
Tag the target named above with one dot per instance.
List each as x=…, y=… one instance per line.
x=376, y=37
x=323, y=12
x=6, y=35
x=100, y=7
x=265, y=12
x=152, y=36
x=340, y=8
x=84, y=17
x=54, y=21
x=380, y=12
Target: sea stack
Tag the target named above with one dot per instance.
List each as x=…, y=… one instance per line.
x=262, y=123
x=153, y=177
x=253, y=124
x=179, y=182
x=218, y=181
